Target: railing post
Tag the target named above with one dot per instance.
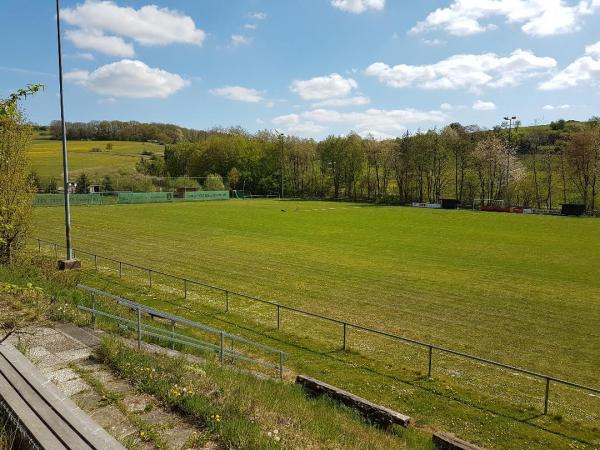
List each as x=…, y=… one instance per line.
x=56, y=251
x=149, y=278
x=546, y=397
x=222, y=350
x=278, y=317
x=93, y=311
x=226, y=301
x=185, y=289
x=280, y=365
x=430, y=360
x=173, y=334
x=344, y=339
x=120, y=269
x=39, y=246
x=96, y=262
x=139, y=328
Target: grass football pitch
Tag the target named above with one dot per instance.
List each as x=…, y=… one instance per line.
x=522, y=290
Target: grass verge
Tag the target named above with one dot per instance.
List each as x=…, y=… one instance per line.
x=245, y=412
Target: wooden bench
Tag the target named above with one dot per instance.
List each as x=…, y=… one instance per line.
x=378, y=414
x=47, y=415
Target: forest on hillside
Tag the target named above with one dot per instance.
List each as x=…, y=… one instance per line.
x=539, y=166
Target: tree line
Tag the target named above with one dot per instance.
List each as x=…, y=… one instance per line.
x=538, y=166
x=114, y=130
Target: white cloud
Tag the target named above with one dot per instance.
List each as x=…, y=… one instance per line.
x=470, y=72
x=374, y=121
x=250, y=26
x=294, y=124
x=581, y=71
x=258, y=15
x=339, y=102
x=358, y=6
x=325, y=87
x=481, y=105
x=287, y=119
x=557, y=107
x=149, y=25
x=446, y=107
x=239, y=94
x=238, y=40
x=433, y=42
x=107, y=101
x=84, y=56
x=536, y=17
x=128, y=78
x=308, y=128
x=593, y=50
x=95, y=40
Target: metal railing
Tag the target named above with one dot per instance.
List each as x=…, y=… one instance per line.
x=345, y=326
x=142, y=329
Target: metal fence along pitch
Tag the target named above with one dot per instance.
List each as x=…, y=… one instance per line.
x=143, y=329
x=344, y=325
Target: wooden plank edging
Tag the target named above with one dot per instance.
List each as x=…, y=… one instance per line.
x=378, y=414
x=447, y=441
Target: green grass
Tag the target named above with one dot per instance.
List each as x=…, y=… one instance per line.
x=523, y=290
x=246, y=412
x=8, y=435
x=46, y=157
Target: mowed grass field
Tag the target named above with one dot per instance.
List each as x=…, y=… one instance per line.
x=523, y=290
x=46, y=157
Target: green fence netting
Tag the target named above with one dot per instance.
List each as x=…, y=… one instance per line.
x=59, y=199
x=207, y=195
x=126, y=198
x=144, y=197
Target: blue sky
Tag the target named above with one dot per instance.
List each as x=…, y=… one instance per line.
x=308, y=67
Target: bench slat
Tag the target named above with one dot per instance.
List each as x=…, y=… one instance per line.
x=36, y=401
x=52, y=395
x=73, y=426
x=28, y=418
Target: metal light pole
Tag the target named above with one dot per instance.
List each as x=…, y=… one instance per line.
x=510, y=122
x=69, y=256
x=281, y=136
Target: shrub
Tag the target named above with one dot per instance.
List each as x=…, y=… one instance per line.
x=214, y=182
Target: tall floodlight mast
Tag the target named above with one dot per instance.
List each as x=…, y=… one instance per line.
x=68, y=263
x=282, y=137
x=510, y=122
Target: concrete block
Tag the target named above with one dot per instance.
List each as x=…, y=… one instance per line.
x=68, y=264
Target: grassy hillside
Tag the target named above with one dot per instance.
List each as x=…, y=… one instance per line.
x=518, y=289
x=46, y=157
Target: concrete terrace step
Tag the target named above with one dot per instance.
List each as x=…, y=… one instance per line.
x=63, y=355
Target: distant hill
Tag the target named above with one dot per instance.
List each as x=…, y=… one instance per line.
x=97, y=158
